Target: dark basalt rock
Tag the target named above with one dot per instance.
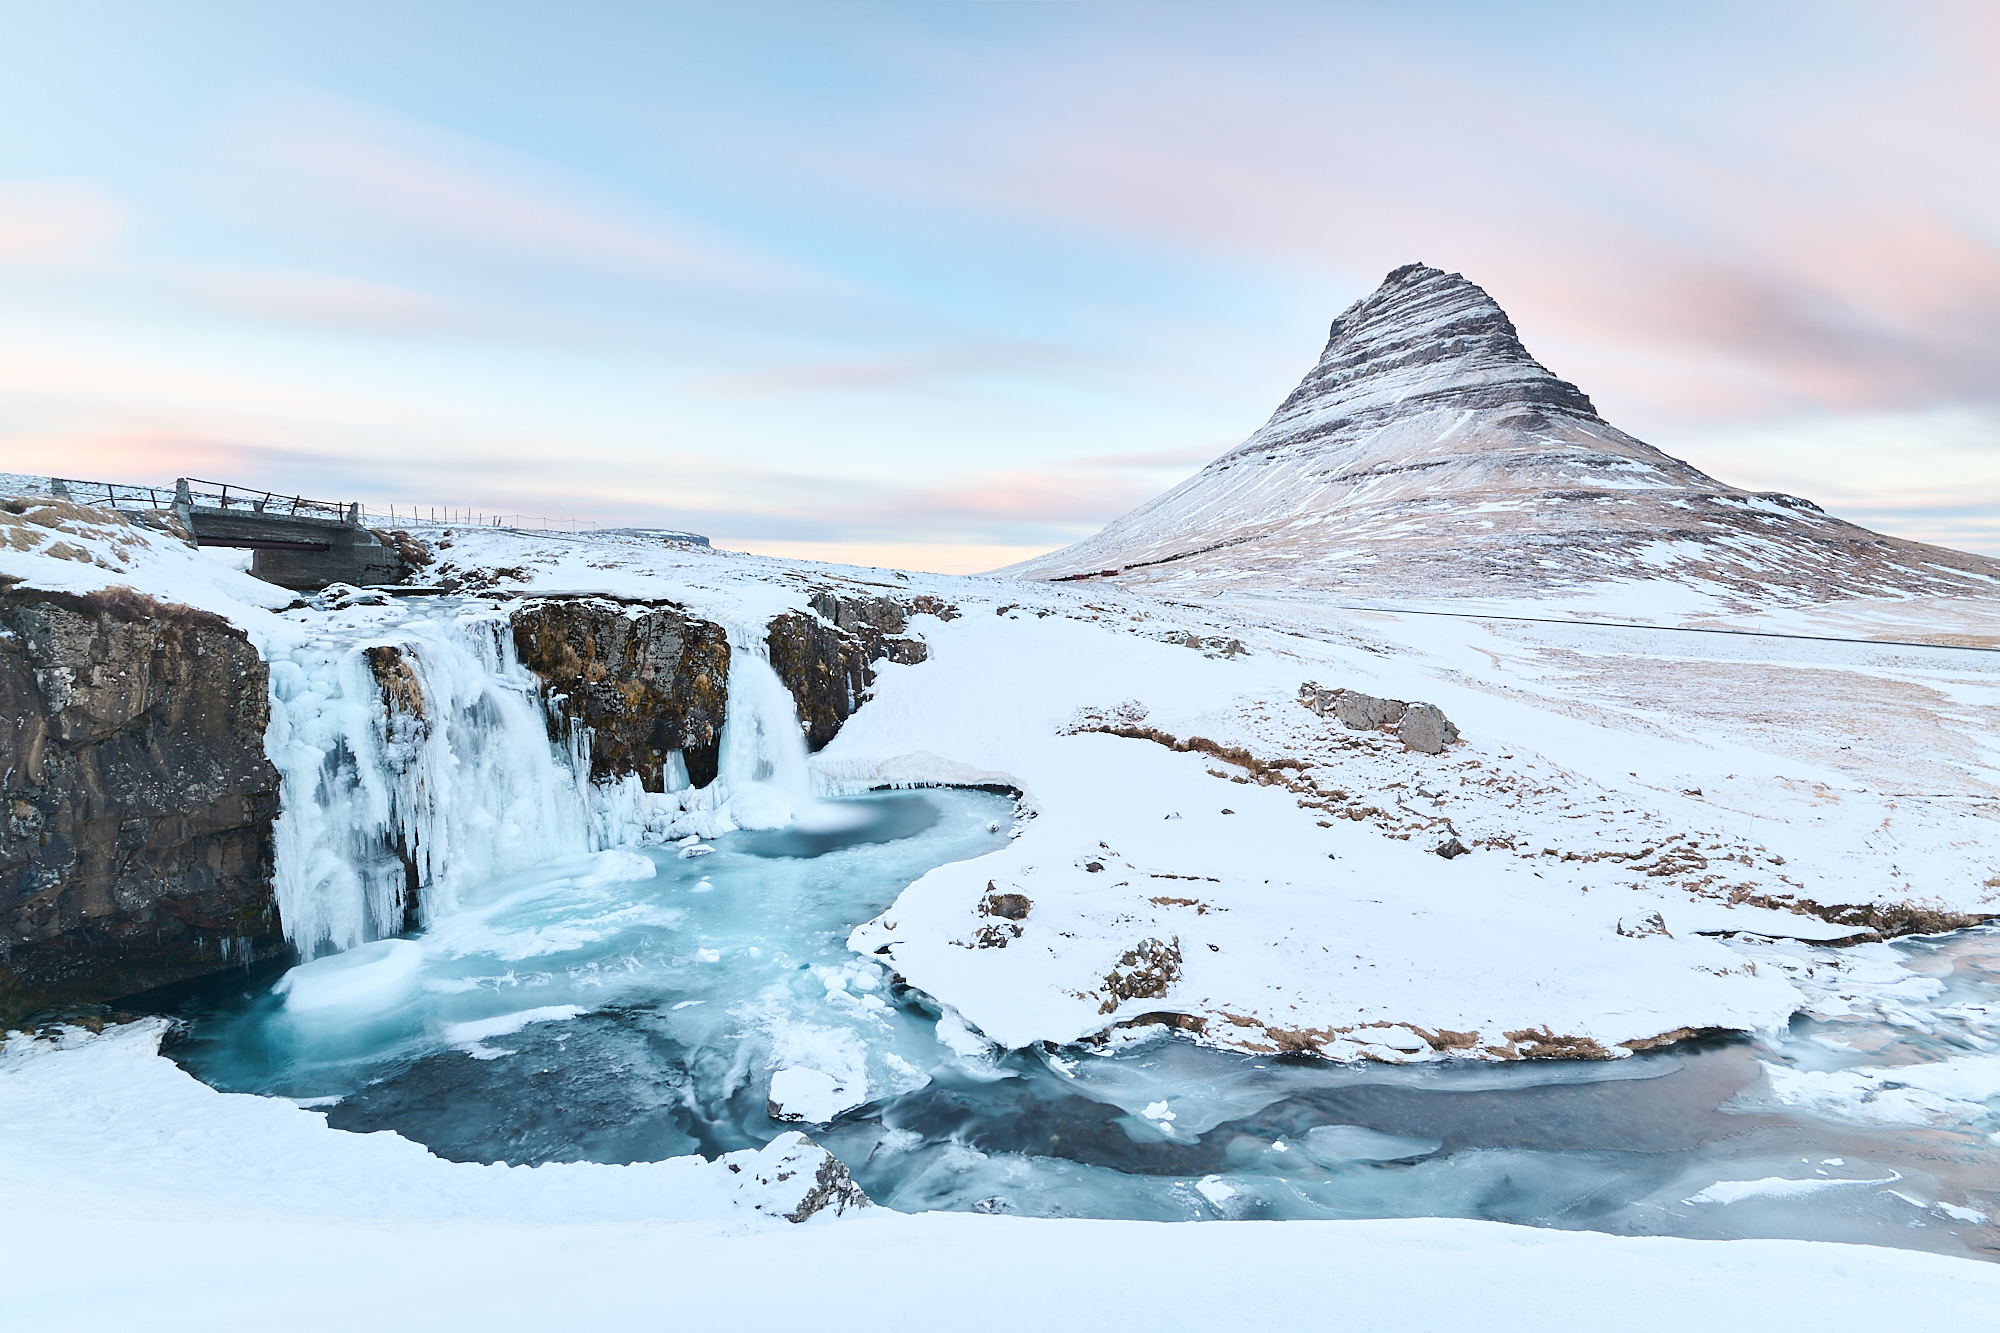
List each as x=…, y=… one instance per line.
x=136, y=849
x=646, y=679
x=826, y=656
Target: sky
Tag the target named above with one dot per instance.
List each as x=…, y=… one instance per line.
x=945, y=285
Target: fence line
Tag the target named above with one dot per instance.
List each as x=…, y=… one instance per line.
x=209, y=494
x=448, y=516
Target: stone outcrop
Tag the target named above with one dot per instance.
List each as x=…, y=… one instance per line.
x=1146, y=971
x=794, y=1178
x=1420, y=726
x=647, y=679
x=826, y=656
x=137, y=844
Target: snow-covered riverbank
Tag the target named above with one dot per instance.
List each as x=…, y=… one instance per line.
x=150, y=1201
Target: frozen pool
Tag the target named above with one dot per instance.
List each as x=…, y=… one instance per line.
x=632, y=1005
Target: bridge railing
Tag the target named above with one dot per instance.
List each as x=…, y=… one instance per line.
x=111, y=494
x=249, y=501
x=270, y=504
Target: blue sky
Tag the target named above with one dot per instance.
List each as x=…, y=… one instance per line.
x=948, y=284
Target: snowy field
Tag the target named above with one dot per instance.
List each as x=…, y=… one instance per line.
x=1658, y=826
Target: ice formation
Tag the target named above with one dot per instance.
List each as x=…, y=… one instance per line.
x=415, y=761
x=415, y=758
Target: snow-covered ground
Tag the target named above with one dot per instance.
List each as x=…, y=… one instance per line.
x=132, y=1196
x=1644, y=811
x=1629, y=797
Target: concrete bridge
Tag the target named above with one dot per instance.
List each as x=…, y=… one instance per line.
x=299, y=543
x=295, y=542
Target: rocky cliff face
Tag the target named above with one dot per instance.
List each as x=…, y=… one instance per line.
x=137, y=843
x=1428, y=454
x=826, y=656
x=647, y=679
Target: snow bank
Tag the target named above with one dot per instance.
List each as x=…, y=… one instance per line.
x=109, y=1118
x=122, y=1176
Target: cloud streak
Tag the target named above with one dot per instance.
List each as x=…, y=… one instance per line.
x=979, y=274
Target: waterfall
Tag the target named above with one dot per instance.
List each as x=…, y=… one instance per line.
x=415, y=762
x=762, y=772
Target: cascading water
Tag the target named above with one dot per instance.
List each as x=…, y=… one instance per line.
x=762, y=771
x=414, y=761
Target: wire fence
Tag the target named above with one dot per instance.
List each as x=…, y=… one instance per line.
x=449, y=516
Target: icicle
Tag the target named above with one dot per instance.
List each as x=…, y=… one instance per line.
x=415, y=763
x=450, y=782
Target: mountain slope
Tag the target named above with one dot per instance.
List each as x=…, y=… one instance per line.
x=1428, y=454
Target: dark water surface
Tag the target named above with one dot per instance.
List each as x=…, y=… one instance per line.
x=632, y=1006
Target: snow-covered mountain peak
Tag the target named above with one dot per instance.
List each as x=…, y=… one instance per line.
x=1427, y=454
x=1423, y=340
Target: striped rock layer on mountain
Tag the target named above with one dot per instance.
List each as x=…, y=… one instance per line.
x=1427, y=454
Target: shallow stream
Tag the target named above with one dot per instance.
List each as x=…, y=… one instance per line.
x=622, y=1006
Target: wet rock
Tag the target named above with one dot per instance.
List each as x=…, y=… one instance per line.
x=648, y=680
x=402, y=690
x=826, y=656
x=136, y=848
x=1146, y=971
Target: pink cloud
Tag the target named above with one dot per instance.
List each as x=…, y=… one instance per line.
x=45, y=222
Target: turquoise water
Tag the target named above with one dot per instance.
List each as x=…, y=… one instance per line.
x=633, y=1005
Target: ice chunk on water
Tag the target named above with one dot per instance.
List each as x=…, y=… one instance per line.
x=470, y=1036
x=373, y=976
x=1777, y=1187
x=1351, y=1143
x=617, y=868
x=813, y=1097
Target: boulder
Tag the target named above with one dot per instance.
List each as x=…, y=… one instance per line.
x=794, y=1178
x=1364, y=712
x=1420, y=726
x=1425, y=728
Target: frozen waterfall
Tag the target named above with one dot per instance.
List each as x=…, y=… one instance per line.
x=415, y=762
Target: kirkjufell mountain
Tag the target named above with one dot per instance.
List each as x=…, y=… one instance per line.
x=1429, y=455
